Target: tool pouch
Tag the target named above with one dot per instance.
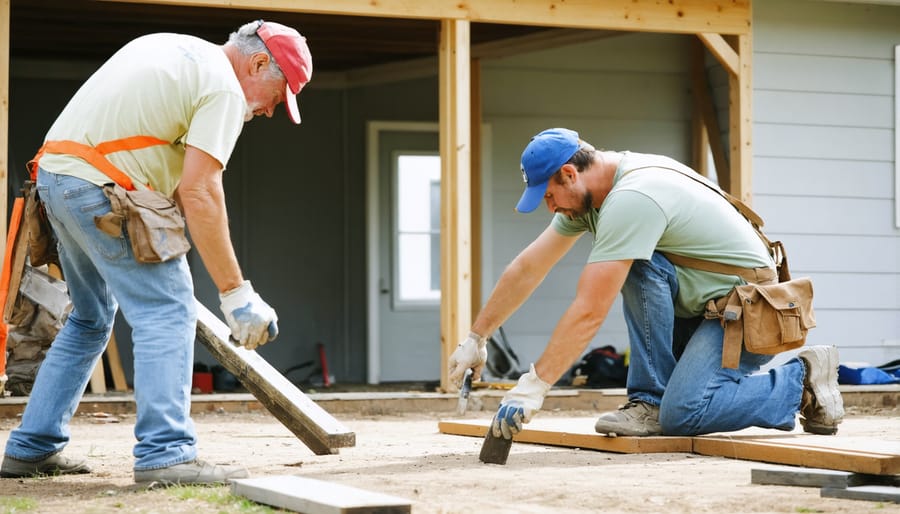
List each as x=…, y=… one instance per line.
x=41, y=241
x=154, y=224
x=768, y=319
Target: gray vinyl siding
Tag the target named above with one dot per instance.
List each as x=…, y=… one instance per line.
x=823, y=166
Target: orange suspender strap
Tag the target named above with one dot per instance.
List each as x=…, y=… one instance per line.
x=96, y=155
x=15, y=222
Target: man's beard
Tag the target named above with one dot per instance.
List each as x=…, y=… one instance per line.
x=587, y=203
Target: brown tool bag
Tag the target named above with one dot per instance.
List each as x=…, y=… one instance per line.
x=770, y=314
x=154, y=223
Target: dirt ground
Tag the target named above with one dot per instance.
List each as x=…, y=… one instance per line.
x=406, y=456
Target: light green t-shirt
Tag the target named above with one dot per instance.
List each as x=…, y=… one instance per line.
x=653, y=208
x=174, y=87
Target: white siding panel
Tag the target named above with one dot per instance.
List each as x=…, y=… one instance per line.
x=822, y=74
x=849, y=143
x=857, y=291
x=826, y=216
x=845, y=110
x=824, y=178
x=825, y=28
x=846, y=329
x=840, y=254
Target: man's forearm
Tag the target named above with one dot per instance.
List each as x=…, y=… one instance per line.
x=515, y=285
x=571, y=336
x=208, y=224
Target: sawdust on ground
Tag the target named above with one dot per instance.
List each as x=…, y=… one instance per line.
x=406, y=456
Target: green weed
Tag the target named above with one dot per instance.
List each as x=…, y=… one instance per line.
x=16, y=504
x=222, y=497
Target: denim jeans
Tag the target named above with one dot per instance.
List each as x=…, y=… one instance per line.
x=677, y=364
x=157, y=300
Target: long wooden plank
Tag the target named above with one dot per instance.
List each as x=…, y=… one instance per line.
x=781, y=451
x=675, y=16
x=318, y=430
x=854, y=454
x=570, y=433
x=311, y=496
x=814, y=477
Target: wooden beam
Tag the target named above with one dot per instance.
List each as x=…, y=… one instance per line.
x=4, y=119
x=571, y=433
x=455, y=147
x=740, y=113
x=853, y=454
x=827, y=454
x=673, y=16
x=315, y=427
x=707, y=112
x=721, y=51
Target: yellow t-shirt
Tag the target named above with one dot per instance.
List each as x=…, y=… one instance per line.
x=174, y=87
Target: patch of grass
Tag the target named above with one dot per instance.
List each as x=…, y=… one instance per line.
x=221, y=497
x=807, y=509
x=16, y=504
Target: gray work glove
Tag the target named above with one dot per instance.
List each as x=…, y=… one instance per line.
x=251, y=320
x=519, y=405
x=470, y=354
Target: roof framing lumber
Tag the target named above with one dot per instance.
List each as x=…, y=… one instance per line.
x=674, y=16
x=720, y=49
x=4, y=117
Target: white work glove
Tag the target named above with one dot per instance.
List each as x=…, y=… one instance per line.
x=471, y=353
x=519, y=405
x=251, y=320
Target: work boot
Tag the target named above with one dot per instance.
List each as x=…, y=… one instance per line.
x=821, y=406
x=635, y=418
x=193, y=472
x=56, y=464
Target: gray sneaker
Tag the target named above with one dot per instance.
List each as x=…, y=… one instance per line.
x=635, y=418
x=821, y=406
x=193, y=472
x=56, y=464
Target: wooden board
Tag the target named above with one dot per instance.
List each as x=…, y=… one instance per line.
x=572, y=433
x=812, y=477
x=317, y=497
x=875, y=493
x=828, y=452
x=853, y=454
x=318, y=429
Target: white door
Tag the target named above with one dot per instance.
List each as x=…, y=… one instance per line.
x=404, y=253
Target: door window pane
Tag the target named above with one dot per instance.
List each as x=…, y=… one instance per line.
x=417, y=234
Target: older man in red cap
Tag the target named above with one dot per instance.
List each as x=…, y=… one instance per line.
x=161, y=117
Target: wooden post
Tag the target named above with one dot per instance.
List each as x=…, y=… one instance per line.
x=4, y=118
x=455, y=147
x=740, y=93
x=476, y=187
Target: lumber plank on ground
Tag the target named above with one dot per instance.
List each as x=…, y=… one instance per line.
x=814, y=477
x=797, y=451
x=317, y=497
x=315, y=427
x=853, y=454
x=579, y=434
x=876, y=493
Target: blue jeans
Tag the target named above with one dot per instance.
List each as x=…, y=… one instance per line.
x=677, y=364
x=157, y=300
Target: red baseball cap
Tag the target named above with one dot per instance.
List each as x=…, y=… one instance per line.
x=292, y=55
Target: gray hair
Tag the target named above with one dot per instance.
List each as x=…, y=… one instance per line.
x=248, y=42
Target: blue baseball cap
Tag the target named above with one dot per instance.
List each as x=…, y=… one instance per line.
x=543, y=157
